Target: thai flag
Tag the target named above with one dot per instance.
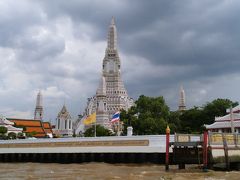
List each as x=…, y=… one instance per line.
x=116, y=117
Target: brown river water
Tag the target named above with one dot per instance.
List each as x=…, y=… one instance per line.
x=100, y=171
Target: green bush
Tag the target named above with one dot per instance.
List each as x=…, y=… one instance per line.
x=12, y=135
x=3, y=137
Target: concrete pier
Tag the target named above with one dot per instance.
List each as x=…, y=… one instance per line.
x=127, y=149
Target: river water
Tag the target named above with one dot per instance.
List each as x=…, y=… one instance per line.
x=106, y=171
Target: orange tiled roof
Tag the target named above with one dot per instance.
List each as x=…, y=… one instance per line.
x=46, y=125
x=41, y=128
x=35, y=129
x=21, y=122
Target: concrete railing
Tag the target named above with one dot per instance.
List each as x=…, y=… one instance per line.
x=187, y=137
x=231, y=139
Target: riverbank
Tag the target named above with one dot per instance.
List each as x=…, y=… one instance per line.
x=108, y=171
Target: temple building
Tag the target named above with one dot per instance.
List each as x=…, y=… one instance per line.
x=36, y=128
x=38, y=114
x=227, y=123
x=9, y=125
x=111, y=95
x=64, y=125
x=182, y=101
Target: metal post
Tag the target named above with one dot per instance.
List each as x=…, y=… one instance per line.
x=118, y=132
x=205, y=151
x=167, y=148
x=225, y=147
x=231, y=119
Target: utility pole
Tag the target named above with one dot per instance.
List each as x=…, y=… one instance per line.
x=231, y=119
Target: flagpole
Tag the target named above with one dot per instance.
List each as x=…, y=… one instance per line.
x=95, y=127
x=118, y=127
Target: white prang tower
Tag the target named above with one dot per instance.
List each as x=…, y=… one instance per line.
x=38, y=114
x=101, y=97
x=182, y=105
x=111, y=95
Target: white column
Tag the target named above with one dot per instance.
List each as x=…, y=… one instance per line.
x=129, y=131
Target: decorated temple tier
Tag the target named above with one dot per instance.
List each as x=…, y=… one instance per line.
x=227, y=123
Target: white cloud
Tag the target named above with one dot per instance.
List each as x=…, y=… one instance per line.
x=13, y=113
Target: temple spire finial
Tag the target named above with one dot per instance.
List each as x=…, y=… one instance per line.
x=113, y=21
x=112, y=36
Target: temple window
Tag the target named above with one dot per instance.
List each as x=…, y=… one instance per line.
x=58, y=123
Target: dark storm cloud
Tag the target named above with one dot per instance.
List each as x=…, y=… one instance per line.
x=201, y=33
x=15, y=17
x=59, y=44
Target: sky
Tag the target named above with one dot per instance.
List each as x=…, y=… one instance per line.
x=58, y=46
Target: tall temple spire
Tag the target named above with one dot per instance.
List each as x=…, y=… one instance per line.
x=111, y=95
x=112, y=36
x=111, y=61
x=182, y=105
x=38, y=114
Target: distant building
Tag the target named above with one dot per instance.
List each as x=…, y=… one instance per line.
x=9, y=125
x=182, y=101
x=226, y=123
x=38, y=114
x=36, y=128
x=64, y=125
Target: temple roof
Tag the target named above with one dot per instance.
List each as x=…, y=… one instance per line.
x=47, y=127
x=227, y=117
x=4, y=121
x=223, y=124
x=13, y=129
x=33, y=126
x=64, y=113
x=236, y=109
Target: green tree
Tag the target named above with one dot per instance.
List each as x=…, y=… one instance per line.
x=148, y=116
x=101, y=131
x=3, y=130
x=216, y=108
x=193, y=120
x=174, y=121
